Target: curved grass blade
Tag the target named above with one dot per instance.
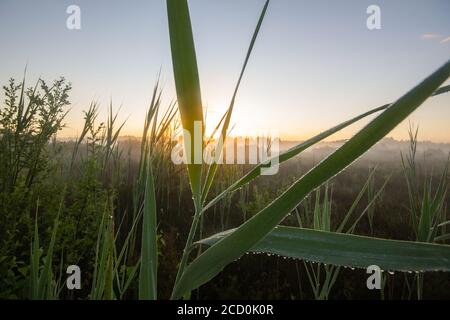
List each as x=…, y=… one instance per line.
x=349, y=250
x=230, y=248
x=297, y=149
x=213, y=167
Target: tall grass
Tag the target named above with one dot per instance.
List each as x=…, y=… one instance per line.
x=426, y=207
x=232, y=245
x=322, y=277
x=84, y=202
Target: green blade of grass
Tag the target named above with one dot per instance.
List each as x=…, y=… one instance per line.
x=130, y=278
x=102, y=283
x=187, y=83
x=108, y=293
x=213, y=167
x=299, y=148
x=45, y=279
x=41, y=282
x=349, y=250
x=230, y=248
x=34, y=260
x=149, y=251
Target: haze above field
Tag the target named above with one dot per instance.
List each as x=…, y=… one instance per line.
x=315, y=64
x=387, y=151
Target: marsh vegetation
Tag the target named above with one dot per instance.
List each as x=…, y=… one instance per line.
x=141, y=227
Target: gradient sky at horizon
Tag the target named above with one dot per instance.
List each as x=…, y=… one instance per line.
x=314, y=65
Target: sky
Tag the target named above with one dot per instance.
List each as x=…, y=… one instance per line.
x=315, y=63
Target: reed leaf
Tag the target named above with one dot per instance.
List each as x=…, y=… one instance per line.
x=221, y=141
x=349, y=250
x=149, y=251
x=187, y=84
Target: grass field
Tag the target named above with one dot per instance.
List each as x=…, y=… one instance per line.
x=80, y=182
x=140, y=226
